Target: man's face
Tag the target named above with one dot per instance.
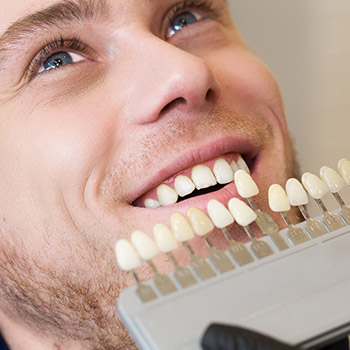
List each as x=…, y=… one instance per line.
x=101, y=102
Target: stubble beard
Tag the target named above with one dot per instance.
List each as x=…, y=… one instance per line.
x=75, y=304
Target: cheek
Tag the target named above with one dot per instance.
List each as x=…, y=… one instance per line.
x=55, y=148
x=247, y=82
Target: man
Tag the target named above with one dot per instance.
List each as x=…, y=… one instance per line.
x=100, y=103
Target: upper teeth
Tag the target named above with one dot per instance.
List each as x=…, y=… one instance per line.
x=201, y=177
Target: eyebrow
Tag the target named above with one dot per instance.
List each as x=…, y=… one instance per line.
x=57, y=15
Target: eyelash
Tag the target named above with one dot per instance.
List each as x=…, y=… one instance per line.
x=73, y=44
x=205, y=5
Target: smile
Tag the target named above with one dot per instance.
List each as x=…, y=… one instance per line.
x=194, y=181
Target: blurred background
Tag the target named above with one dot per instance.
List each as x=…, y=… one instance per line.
x=306, y=44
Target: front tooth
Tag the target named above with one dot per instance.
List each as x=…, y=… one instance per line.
x=183, y=185
x=243, y=214
x=166, y=195
x=144, y=245
x=222, y=171
x=164, y=238
x=278, y=199
x=333, y=180
x=219, y=214
x=181, y=228
x=202, y=177
x=242, y=164
x=199, y=221
x=151, y=203
x=314, y=185
x=344, y=169
x=296, y=193
x=246, y=186
x=126, y=255
x=234, y=166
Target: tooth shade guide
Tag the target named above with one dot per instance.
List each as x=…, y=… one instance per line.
x=344, y=169
x=245, y=185
x=202, y=226
x=314, y=185
x=237, y=250
x=128, y=260
x=333, y=180
x=259, y=247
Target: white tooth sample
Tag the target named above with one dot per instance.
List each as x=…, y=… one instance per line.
x=200, y=222
x=166, y=195
x=333, y=180
x=234, y=166
x=296, y=192
x=245, y=185
x=242, y=164
x=183, y=185
x=314, y=185
x=219, y=214
x=151, y=203
x=241, y=212
x=202, y=177
x=164, y=238
x=144, y=245
x=222, y=171
x=181, y=227
x=278, y=200
x=127, y=257
x=344, y=169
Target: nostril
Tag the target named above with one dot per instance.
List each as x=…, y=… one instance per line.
x=210, y=96
x=173, y=104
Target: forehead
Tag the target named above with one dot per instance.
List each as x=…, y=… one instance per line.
x=12, y=11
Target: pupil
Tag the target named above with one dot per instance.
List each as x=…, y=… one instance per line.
x=183, y=20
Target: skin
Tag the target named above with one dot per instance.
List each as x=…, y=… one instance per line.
x=80, y=143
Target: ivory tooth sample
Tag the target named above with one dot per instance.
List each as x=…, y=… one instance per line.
x=202, y=226
x=298, y=198
x=242, y=164
x=222, y=218
x=147, y=249
x=202, y=177
x=183, y=233
x=279, y=203
x=247, y=188
x=244, y=216
x=344, y=169
x=167, y=243
x=336, y=183
x=183, y=185
x=317, y=189
x=129, y=260
x=166, y=195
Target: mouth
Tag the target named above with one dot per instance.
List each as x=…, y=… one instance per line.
x=203, y=180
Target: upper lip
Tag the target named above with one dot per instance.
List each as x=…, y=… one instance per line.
x=193, y=156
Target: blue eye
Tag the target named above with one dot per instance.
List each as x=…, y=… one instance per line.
x=182, y=20
x=59, y=59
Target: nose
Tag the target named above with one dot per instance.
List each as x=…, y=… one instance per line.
x=169, y=80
